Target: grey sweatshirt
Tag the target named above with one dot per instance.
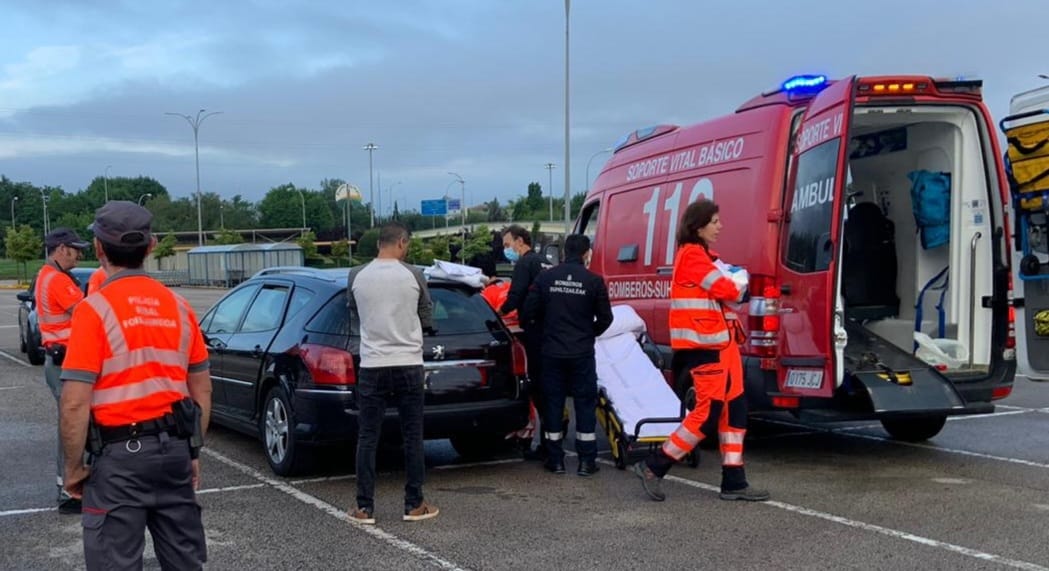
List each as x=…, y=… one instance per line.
x=392, y=303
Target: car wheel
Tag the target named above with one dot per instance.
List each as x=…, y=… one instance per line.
x=474, y=446
x=36, y=356
x=22, y=346
x=914, y=429
x=277, y=430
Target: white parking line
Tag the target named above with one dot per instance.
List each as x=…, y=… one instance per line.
x=991, y=415
x=8, y=326
x=27, y=511
x=230, y=489
x=11, y=357
x=886, y=439
x=894, y=533
x=337, y=513
x=10, y=388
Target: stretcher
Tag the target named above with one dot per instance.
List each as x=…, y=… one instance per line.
x=1027, y=165
x=635, y=406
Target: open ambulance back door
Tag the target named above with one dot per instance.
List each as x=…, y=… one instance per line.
x=1032, y=319
x=811, y=356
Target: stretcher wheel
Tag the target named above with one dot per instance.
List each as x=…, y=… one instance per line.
x=621, y=453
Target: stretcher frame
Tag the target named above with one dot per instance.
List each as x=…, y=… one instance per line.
x=625, y=445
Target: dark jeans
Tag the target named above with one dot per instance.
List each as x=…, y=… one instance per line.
x=576, y=376
x=377, y=388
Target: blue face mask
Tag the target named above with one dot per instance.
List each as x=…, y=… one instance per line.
x=511, y=255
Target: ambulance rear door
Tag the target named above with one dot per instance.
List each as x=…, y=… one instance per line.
x=810, y=246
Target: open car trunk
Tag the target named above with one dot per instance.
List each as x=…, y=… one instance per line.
x=899, y=276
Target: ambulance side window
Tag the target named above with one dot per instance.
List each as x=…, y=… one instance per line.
x=812, y=209
x=588, y=221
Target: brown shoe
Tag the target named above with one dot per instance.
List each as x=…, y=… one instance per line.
x=424, y=511
x=363, y=516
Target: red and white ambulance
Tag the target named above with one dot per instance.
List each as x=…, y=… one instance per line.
x=816, y=181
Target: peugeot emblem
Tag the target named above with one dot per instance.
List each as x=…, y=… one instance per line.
x=438, y=352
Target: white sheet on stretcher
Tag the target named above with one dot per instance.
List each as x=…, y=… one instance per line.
x=635, y=386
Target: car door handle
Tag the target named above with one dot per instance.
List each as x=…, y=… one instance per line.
x=216, y=344
x=257, y=351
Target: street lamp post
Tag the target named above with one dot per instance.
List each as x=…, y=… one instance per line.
x=146, y=195
x=222, y=218
x=568, y=163
x=462, y=210
x=13, y=201
x=195, y=122
x=592, y=157
x=47, y=223
x=370, y=147
x=550, y=167
x=303, y=197
x=105, y=181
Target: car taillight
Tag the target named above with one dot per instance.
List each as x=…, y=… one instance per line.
x=763, y=320
x=328, y=365
x=520, y=359
x=1010, y=338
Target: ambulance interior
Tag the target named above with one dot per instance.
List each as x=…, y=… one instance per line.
x=886, y=268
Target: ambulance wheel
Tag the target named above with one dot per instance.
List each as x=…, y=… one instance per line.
x=914, y=429
x=621, y=454
x=277, y=429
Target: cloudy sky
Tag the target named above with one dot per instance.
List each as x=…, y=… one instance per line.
x=474, y=87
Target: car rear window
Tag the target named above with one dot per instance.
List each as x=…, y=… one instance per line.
x=455, y=311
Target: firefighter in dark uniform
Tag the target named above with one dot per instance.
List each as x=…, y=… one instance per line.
x=571, y=304
x=137, y=393
x=517, y=249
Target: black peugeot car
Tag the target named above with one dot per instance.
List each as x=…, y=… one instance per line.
x=284, y=355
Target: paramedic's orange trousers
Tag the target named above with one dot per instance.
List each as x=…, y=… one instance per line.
x=719, y=404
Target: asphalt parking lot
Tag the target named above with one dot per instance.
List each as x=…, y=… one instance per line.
x=844, y=497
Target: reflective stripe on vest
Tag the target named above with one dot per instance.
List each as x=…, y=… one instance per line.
x=54, y=326
x=695, y=303
x=155, y=359
x=697, y=320
x=692, y=336
x=709, y=279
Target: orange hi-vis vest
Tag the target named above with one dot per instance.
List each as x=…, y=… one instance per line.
x=137, y=341
x=697, y=318
x=56, y=296
x=94, y=283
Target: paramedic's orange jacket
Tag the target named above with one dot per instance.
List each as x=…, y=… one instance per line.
x=698, y=288
x=56, y=296
x=136, y=341
x=96, y=281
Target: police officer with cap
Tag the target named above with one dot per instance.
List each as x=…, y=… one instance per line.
x=56, y=293
x=137, y=389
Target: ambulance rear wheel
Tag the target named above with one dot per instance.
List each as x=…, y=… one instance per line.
x=914, y=429
x=285, y=455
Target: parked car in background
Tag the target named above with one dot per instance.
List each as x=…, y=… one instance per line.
x=284, y=355
x=28, y=328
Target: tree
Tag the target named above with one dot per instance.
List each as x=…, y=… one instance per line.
x=229, y=237
x=495, y=212
x=439, y=247
x=480, y=242
x=165, y=248
x=535, y=233
x=308, y=244
x=368, y=244
x=534, y=201
x=23, y=245
x=340, y=250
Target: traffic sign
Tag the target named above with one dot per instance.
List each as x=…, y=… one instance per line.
x=434, y=207
x=453, y=205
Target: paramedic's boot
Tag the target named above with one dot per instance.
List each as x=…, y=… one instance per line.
x=734, y=486
x=587, y=468
x=652, y=484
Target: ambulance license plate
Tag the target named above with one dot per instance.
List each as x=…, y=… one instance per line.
x=804, y=378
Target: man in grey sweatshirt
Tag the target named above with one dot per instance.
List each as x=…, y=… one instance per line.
x=392, y=304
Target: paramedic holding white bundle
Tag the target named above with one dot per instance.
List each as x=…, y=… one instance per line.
x=705, y=336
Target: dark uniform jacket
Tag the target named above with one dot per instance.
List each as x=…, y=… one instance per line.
x=571, y=305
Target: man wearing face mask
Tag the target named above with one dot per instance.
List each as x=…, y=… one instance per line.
x=571, y=303
x=517, y=249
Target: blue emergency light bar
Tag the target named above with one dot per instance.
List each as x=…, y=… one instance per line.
x=804, y=83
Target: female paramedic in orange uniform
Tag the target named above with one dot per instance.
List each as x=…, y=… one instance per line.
x=705, y=337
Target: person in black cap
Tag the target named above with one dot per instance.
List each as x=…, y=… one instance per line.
x=138, y=368
x=56, y=293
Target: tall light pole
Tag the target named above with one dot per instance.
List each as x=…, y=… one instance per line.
x=303, y=197
x=568, y=163
x=389, y=196
x=105, y=181
x=195, y=122
x=592, y=157
x=462, y=197
x=146, y=195
x=47, y=223
x=13, y=201
x=222, y=218
x=370, y=147
x=550, y=167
